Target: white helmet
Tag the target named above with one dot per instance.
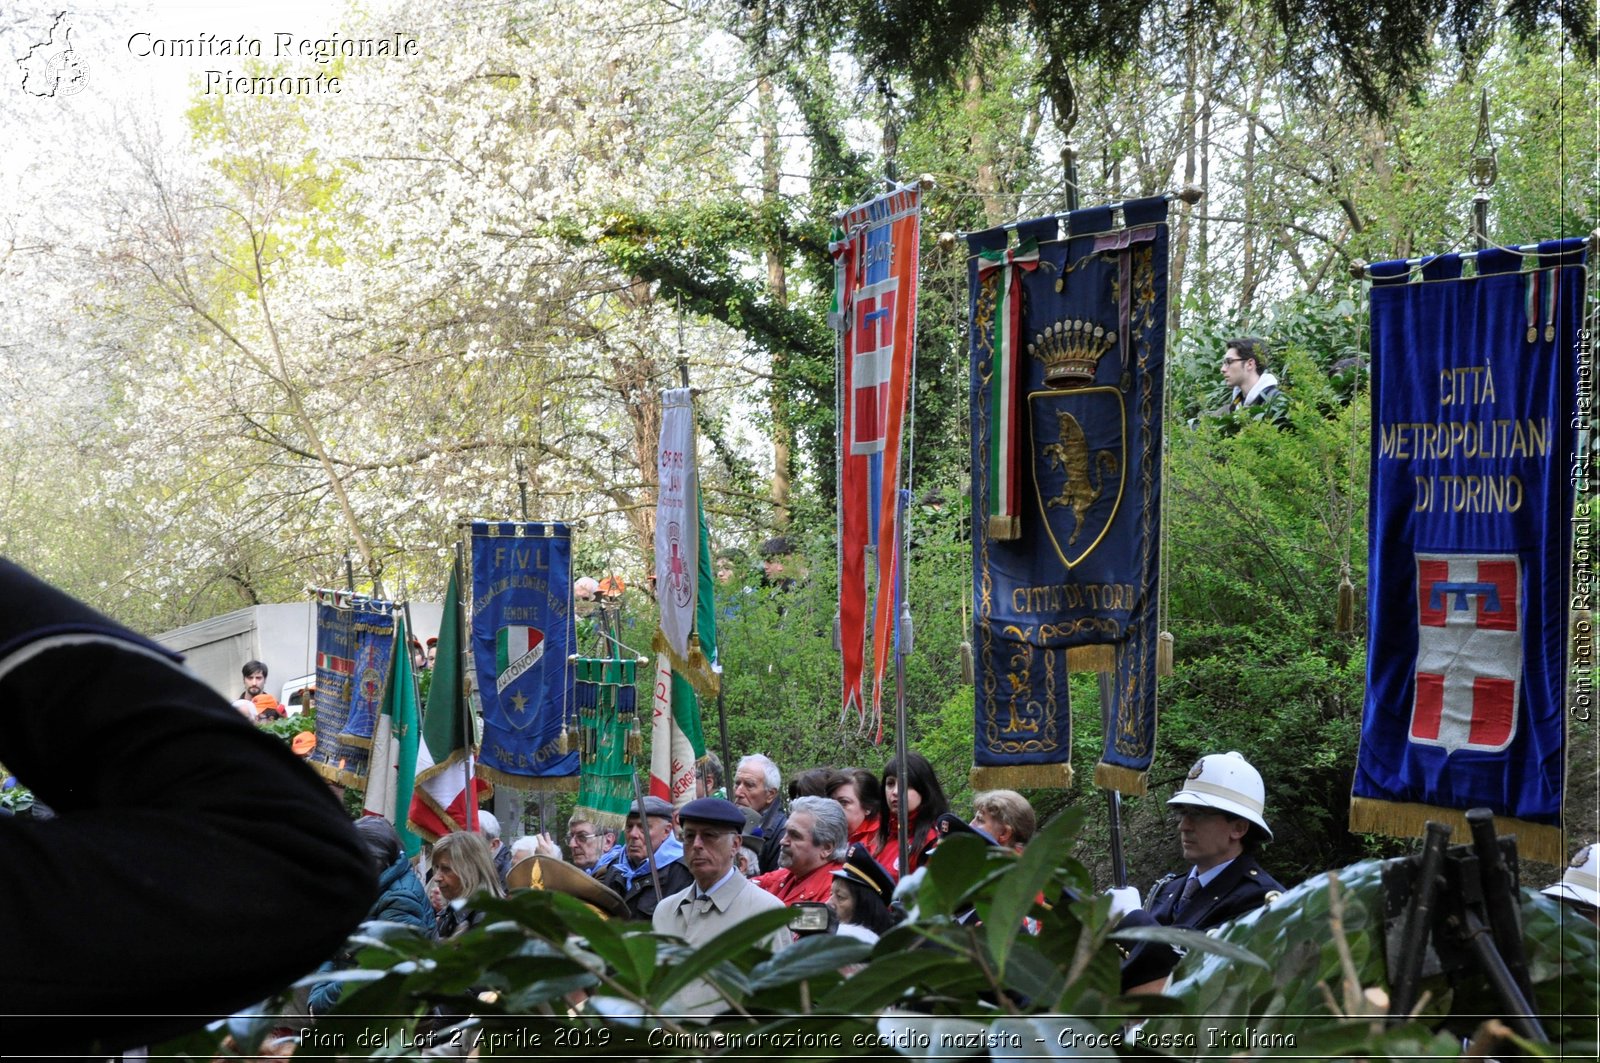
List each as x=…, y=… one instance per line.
x=1580, y=881
x=1226, y=782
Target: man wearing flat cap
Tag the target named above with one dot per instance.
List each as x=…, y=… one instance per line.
x=648, y=839
x=719, y=897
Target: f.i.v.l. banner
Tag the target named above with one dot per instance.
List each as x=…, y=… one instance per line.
x=1473, y=390
x=1068, y=355
x=521, y=634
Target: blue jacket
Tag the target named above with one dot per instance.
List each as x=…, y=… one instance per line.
x=1242, y=887
x=403, y=899
x=634, y=885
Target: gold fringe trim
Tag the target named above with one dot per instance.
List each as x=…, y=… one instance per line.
x=359, y=741
x=420, y=794
x=1399, y=819
x=341, y=776
x=562, y=784
x=1021, y=777
x=1005, y=527
x=696, y=668
x=1102, y=658
x=604, y=820
x=455, y=757
x=1121, y=779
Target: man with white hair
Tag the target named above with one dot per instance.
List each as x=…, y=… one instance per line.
x=815, y=841
x=755, y=786
x=489, y=826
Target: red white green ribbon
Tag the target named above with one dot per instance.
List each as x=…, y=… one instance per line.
x=1530, y=304
x=1552, y=285
x=1005, y=380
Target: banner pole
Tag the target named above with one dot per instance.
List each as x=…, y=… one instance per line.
x=902, y=646
x=1119, y=866
x=459, y=620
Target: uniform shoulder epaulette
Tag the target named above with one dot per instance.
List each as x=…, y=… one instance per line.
x=1162, y=881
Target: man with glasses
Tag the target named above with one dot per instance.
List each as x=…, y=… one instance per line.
x=589, y=844
x=1219, y=815
x=1244, y=369
x=717, y=899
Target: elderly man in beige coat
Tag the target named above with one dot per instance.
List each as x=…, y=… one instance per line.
x=720, y=897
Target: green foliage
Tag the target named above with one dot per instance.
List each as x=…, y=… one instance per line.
x=517, y=973
x=545, y=975
x=1324, y=945
x=16, y=800
x=1381, y=52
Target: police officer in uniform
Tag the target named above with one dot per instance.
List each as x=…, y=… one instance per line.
x=1220, y=826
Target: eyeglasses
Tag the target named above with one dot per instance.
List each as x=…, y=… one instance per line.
x=579, y=837
x=1231, y=361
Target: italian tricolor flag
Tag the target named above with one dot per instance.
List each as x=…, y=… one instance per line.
x=677, y=738
x=391, y=771
x=441, y=803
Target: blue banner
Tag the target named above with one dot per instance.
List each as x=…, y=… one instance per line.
x=521, y=635
x=1067, y=580
x=355, y=640
x=1473, y=385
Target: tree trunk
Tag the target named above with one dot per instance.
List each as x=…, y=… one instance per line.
x=1180, y=242
x=778, y=286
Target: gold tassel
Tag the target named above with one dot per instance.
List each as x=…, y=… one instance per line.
x=566, y=739
x=1163, y=658
x=635, y=744
x=968, y=666
x=1344, y=617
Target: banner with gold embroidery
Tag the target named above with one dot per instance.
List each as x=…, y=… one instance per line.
x=1068, y=363
x=521, y=635
x=1477, y=380
x=355, y=639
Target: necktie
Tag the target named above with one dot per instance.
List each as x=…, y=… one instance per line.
x=1191, y=886
x=702, y=904
x=1238, y=399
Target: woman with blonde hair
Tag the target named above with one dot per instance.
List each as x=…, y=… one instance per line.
x=463, y=867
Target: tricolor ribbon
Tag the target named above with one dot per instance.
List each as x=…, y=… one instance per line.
x=1552, y=287
x=1005, y=465
x=1530, y=304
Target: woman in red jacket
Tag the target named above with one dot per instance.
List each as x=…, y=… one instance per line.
x=925, y=803
x=856, y=790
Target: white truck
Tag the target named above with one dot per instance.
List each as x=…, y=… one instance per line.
x=283, y=637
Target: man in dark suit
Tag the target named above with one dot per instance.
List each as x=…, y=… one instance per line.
x=1220, y=826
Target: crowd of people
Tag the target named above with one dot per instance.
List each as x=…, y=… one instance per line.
x=175, y=765
x=831, y=839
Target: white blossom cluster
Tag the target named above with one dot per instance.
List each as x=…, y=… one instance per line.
x=335, y=326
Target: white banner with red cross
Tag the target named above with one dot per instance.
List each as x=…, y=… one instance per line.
x=1469, y=651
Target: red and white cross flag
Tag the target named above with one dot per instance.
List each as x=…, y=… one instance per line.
x=1469, y=651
